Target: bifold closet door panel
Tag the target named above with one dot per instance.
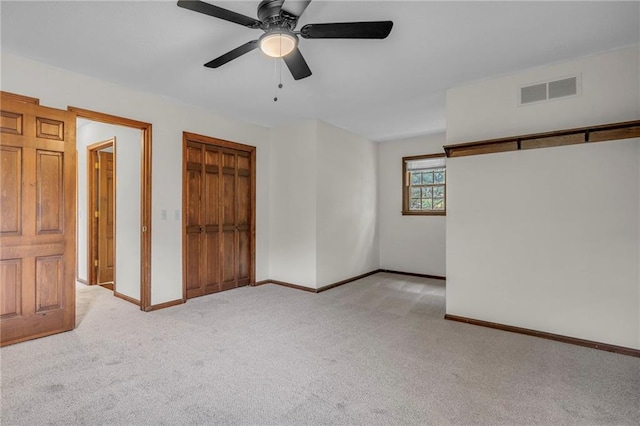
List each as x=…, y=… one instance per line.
x=229, y=221
x=243, y=219
x=211, y=220
x=192, y=218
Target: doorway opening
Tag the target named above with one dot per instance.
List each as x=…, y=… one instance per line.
x=121, y=258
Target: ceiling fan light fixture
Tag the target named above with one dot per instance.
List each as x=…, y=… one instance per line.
x=277, y=44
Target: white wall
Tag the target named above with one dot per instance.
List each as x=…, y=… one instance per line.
x=292, y=215
x=323, y=216
x=346, y=206
x=488, y=109
x=128, y=157
x=59, y=88
x=548, y=239
x=414, y=244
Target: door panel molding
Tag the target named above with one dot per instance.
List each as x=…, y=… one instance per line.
x=11, y=158
x=50, y=182
x=145, y=207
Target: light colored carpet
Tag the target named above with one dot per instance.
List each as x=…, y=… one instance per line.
x=375, y=351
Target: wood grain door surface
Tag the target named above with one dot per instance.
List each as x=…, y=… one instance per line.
x=218, y=215
x=37, y=220
x=106, y=224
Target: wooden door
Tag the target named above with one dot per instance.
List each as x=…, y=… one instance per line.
x=193, y=239
x=235, y=200
x=37, y=221
x=106, y=214
x=219, y=185
x=210, y=220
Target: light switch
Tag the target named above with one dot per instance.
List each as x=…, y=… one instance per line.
x=176, y=215
x=163, y=214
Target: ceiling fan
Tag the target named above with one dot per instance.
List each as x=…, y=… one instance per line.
x=278, y=20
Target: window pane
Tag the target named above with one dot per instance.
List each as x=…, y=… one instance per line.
x=427, y=177
x=415, y=178
x=426, y=181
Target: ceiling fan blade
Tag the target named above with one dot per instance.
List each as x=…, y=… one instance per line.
x=297, y=65
x=375, y=29
x=218, y=12
x=233, y=54
x=294, y=8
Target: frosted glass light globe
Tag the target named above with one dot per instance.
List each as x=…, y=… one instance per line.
x=278, y=44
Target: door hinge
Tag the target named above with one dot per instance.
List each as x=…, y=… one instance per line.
x=96, y=214
x=144, y=229
x=97, y=165
x=95, y=263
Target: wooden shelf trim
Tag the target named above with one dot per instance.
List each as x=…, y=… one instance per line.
x=601, y=133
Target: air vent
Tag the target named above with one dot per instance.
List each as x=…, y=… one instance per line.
x=562, y=88
x=535, y=93
x=549, y=90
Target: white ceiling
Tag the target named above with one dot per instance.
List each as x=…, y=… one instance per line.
x=380, y=89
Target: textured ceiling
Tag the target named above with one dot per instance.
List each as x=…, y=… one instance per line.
x=380, y=89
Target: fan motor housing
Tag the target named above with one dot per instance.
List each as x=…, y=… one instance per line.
x=269, y=9
x=272, y=18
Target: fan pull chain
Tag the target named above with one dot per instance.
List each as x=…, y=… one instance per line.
x=278, y=76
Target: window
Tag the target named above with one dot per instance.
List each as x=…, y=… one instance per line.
x=424, y=185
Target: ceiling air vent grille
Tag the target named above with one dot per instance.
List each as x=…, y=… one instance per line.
x=549, y=90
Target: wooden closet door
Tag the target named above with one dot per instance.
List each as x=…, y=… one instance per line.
x=219, y=213
x=193, y=213
x=236, y=218
x=243, y=218
x=229, y=219
x=37, y=221
x=210, y=249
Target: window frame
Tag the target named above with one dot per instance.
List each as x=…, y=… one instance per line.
x=406, y=187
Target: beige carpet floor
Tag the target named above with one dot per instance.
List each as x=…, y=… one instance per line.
x=375, y=351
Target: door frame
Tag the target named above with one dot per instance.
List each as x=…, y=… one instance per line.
x=221, y=143
x=92, y=241
x=145, y=196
